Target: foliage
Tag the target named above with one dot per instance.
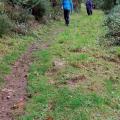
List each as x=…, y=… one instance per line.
x=113, y=23
x=18, y=14
x=24, y=11
x=5, y=24
x=118, y=2
x=1, y=7
x=39, y=7
x=98, y=3
x=105, y=4
x=112, y=20
x=108, y=4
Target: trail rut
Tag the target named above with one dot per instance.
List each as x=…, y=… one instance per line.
x=13, y=94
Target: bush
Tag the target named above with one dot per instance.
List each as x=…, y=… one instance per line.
x=118, y=1
x=5, y=24
x=1, y=7
x=98, y=3
x=113, y=23
x=22, y=29
x=19, y=16
x=40, y=8
x=106, y=5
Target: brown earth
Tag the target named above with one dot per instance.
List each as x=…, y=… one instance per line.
x=76, y=79
x=13, y=94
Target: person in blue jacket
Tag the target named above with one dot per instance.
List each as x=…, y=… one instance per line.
x=67, y=7
x=89, y=7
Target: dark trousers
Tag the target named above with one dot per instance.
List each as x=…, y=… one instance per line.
x=89, y=11
x=66, y=16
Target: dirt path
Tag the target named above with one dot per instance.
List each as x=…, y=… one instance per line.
x=13, y=94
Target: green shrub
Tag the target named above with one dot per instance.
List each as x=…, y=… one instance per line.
x=98, y=3
x=113, y=20
x=56, y=13
x=106, y=5
x=19, y=16
x=1, y=7
x=40, y=8
x=118, y=1
x=5, y=24
x=113, y=23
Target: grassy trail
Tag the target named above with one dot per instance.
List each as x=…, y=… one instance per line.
x=72, y=77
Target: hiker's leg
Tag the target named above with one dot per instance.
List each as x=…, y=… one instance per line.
x=68, y=17
x=65, y=16
x=88, y=11
x=91, y=12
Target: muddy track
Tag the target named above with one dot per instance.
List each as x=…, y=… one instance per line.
x=13, y=94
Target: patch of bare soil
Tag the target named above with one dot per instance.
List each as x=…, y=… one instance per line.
x=96, y=68
x=72, y=82
x=86, y=66
x=79, y=50
x=113, y=59
x=51, y=105
x=57, y=65
x=95, y=87
x=49, y=118
x=13, y=94
x=77, y=79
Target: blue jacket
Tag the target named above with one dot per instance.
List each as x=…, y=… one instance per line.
x=67, y=4
x=89, y=4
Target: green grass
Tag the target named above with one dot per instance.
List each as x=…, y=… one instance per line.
x=12, y=47
x=56, y=91
x=10, y=50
